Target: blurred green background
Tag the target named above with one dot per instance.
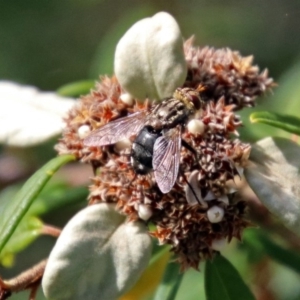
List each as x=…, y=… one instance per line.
x=50, y=43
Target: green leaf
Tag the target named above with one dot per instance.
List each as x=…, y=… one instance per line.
x=25, y=197
x=252, y=246
x=289, y=258
x=55, y=196
x=286, y=257
x=285, y=100
x=192, y=286
x=76, y=89
x=222, y=281
x=27, y=231
x=157, y=255
x=170, y=283
x=286, y=122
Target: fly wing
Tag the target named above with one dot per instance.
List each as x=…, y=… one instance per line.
x=166, y=159
x=116, y=130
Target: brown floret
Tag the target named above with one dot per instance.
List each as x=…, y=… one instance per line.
x=226, y=73
x=210, y=159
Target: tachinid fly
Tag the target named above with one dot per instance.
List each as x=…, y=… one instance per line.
x=158, y=135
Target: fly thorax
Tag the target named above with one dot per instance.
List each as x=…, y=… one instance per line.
x=191, y=97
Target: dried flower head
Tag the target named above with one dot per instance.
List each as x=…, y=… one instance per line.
x=201, y=209
x=102, y=105
x=225, y=73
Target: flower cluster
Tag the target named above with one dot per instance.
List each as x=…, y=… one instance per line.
x=225, y=73
x=202, y=210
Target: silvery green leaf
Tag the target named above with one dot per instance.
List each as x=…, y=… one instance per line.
x=99, y=255
x=149, y=58
x=274, y=177
x=29, y=116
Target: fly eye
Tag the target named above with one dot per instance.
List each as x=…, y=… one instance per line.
x=196, y=100
x=150, y=129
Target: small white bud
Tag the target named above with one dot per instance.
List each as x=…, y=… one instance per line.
x=196, y=127
x=215, y=214
x=127, y=99
x=145, y=212
x=83, y=131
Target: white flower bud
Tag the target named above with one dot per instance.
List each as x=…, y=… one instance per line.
x=83, y=131
x=145, y=212
x=149, y=58
x=196, y=127
x=127, y=99
x=215, y=214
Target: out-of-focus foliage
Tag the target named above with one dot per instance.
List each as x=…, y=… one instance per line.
x=222, y=281
x=18, y=127
x=288, y=123
x=274, y=176
x=17, y=207
x=76, y=89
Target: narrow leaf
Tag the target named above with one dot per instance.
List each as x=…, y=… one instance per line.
x=222, y=281
x=76, y=89
x=286, y=122
x=286, y=257
x=161, y=251
x=152, y=276
x=170, y=283
x=27, y=195
x=27, y=231
x=55, y=196
x=289, y=258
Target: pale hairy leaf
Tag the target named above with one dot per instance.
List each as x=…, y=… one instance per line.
x=99, y=255
x=274, y=177
x=29, y=116
x=149, y=59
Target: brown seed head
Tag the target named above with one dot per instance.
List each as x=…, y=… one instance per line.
x=201, y=208
x=226, y=73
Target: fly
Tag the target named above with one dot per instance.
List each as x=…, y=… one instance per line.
x=158, y=135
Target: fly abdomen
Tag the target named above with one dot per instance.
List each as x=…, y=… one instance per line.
x=142, y=150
